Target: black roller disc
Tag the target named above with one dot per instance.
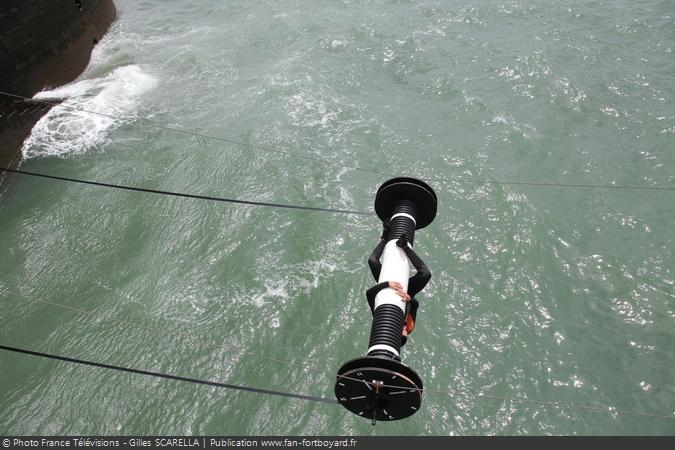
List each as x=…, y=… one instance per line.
x=378, y=388
x=402, y=188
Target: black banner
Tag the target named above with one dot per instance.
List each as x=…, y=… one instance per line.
x=334, y=442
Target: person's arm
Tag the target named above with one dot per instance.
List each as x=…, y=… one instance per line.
x=372, y=293
x=395, y=285
x=417, y=282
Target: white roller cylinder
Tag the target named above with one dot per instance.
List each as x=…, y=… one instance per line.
x=395, y=267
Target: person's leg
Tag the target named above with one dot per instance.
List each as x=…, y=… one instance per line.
x=417, y=282
x=374, y=260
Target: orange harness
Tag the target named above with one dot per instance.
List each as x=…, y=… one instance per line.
x=409, y=324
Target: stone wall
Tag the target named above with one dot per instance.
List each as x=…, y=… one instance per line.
x=48, y=42
x=43, y=43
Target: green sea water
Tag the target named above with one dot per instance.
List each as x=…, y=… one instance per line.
x=551, y=309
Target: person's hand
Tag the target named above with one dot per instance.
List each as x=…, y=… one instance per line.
x=402, y=241
x=396, y=286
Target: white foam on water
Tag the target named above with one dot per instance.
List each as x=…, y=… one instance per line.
x=90, y=109
x=272, y=290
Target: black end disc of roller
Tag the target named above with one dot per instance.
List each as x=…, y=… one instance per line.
x=379, y=389
x=403, y=188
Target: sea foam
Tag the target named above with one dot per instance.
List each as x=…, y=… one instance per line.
x=88, y=111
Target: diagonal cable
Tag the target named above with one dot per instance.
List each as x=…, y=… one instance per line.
x=168, y=376
x=185, y=195
x=162, y=329
x=362, y=169
x=196, y=134
x=479, y=395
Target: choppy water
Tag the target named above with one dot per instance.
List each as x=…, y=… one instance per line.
x=547, y=294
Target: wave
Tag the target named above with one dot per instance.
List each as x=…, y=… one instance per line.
x=88, y=111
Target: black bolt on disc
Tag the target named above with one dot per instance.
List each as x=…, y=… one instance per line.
x=378, y=388
x=403, y=188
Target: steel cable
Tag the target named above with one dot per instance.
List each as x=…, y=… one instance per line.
x=352, y=167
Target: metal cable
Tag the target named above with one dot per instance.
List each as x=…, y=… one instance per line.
x=185, y=195
x=362, y=169
x=332, y=210
x=195, y=134
x=479, y=395
x=545, y=184
x=169, y=376
x=160, y=328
